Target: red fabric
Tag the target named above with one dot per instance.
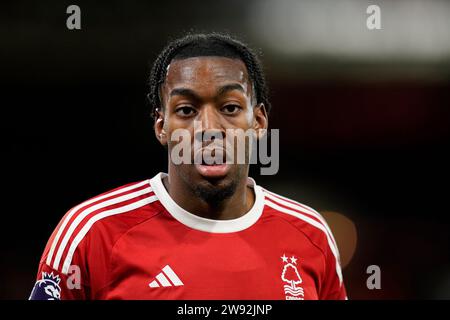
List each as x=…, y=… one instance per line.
x=278, y=257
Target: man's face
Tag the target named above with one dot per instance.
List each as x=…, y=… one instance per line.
x=208, y=94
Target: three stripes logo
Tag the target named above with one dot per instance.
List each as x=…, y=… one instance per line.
x=166, y=278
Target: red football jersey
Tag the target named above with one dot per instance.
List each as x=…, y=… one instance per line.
x=135, y=242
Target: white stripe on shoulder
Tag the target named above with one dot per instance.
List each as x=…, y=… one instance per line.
x=85, y=203
x=314, y=223
x=301, y=207
x=84, y=213
x=94, y=219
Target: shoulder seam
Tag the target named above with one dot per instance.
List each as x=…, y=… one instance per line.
x=81, y=208
x=139, y=201
x=304, y=233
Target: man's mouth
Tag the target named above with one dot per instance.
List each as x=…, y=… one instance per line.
x=213, y=170
x=212, y=163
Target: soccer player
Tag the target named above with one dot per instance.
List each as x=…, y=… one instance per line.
x=201, y=231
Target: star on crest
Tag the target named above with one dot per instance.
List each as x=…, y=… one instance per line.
x=285, y=259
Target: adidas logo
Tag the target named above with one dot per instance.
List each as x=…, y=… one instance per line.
x=162, y=279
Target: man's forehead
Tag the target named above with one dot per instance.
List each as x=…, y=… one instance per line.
x=194, y=70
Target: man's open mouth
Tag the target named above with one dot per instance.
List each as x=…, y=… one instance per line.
x=213, y=170
x=211, y=162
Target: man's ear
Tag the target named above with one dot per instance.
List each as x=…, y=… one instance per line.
x=261, y=121
x=159, y=127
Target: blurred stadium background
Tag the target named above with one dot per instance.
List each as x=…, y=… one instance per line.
x=364, y=119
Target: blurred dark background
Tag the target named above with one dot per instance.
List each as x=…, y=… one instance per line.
x=364, y=119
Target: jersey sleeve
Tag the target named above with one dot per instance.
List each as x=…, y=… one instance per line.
x=333, y=287
x=54, y=284
x=76, y=263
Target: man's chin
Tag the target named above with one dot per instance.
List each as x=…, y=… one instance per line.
x=214, y=191
x=213, y=184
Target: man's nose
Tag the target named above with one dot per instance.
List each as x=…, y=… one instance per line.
x=211, y=125
x=210, y=118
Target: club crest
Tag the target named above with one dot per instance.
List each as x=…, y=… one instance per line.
x=292, y=277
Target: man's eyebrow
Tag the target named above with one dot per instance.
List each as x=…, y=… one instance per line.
x=192, y=94
x=184, y=92
x=230, y=87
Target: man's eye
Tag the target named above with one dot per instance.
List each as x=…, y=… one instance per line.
x=185, y=111
x=231, y=109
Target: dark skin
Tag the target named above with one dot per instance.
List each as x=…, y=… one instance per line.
x=216, y=91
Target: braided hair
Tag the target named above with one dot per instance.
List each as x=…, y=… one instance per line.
x=211, y=44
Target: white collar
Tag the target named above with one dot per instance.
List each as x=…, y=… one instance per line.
x=203, y=224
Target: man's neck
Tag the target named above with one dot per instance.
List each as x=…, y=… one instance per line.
x=230, y=208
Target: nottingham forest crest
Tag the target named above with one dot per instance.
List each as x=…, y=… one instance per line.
x=292, y=278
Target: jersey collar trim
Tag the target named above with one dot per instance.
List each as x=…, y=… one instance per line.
x=208, y=225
